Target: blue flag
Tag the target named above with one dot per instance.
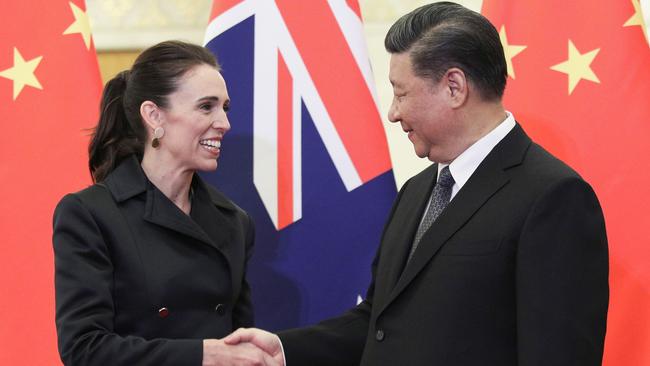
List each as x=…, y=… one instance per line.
x=307, y=155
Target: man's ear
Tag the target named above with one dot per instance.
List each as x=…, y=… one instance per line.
x=151, y=114
x=457, y=86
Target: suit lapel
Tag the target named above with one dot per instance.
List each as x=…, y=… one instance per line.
x=489, y=178
x=404, y=225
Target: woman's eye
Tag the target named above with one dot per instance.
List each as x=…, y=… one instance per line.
x=206, y=107
x=226, y=107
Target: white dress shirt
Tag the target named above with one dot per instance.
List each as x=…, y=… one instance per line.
x=466, y=163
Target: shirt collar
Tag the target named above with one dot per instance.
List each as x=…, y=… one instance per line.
x=466, y=163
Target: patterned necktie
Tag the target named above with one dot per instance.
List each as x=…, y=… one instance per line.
x=439, y=200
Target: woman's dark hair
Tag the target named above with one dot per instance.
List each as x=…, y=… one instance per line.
x=443, y=35
x=155, y=74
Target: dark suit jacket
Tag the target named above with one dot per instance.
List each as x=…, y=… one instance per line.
x=138, y=282
x=513, y=272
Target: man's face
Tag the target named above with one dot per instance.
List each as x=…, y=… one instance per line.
x=423, y=109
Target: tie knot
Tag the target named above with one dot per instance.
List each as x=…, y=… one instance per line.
x=445, y=179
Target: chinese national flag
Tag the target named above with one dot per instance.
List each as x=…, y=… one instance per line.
x=49, y=95
x=580, y=85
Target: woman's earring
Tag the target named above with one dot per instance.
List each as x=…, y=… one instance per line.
x=158, y=133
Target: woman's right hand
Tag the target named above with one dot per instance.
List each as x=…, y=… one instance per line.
x=218, y=353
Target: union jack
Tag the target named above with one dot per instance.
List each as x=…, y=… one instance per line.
x=310, y=161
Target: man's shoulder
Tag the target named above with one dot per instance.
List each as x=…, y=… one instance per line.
x=542, y=164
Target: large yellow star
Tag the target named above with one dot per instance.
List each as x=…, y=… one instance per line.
x=510, y=50
x=637, y=19
x=81, y=24
x=22, y=73
x=578, y=66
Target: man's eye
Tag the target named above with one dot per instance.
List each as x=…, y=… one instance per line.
x=226, y=107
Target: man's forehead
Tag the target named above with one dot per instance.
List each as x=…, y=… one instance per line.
x=400, y=69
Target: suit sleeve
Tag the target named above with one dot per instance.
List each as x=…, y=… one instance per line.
x=242, y=314
x=561, y=284
x=338, y=341
x=84, y=304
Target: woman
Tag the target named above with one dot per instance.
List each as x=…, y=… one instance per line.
x=150, y=261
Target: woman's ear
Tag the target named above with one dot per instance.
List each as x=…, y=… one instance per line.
x=151, y=114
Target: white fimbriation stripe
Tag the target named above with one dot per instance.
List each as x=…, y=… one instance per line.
x=297, y=152
x=271, y=36
x=265, y=111
x=317, y=110
x=352, y=28
x=229, y=19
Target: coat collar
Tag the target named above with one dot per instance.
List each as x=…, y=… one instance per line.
x=490, y=176
x=211, y=221
x=128, y=181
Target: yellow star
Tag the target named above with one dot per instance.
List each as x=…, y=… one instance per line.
x=22, y=73
x=637, y=18
x=578, y=66
x=81, y=24
x=510, y=50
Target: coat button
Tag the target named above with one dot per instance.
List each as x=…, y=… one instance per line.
x=379, y=336
x=163, y=312
x=220, y=309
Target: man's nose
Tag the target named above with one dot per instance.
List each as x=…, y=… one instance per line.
x=393, y=114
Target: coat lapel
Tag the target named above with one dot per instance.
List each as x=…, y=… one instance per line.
x=208, y=209
x=161, y=211
x=488, y=178
x=128, y=180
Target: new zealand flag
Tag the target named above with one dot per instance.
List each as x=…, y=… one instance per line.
x=306, y=156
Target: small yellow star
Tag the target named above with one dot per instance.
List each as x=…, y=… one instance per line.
x=510, y=50
x=81, y=24
x=22, y=73
x=637, y=18
x=578, y=66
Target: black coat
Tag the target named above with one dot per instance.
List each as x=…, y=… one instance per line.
x=513, y=272
x=138, y=282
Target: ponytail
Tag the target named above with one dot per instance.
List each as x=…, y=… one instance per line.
x=115, y=137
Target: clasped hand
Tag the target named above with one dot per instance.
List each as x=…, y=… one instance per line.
x=246, y=346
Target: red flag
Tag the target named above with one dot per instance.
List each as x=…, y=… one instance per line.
x=580, y=85
x=49, y=96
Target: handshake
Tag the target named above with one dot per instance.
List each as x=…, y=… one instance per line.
x=246, y=346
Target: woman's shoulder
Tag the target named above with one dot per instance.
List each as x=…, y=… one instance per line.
x=90, y=197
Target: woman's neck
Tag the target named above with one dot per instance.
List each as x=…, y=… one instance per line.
x=173, y=182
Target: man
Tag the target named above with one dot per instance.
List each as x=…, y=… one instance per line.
x=513, y=271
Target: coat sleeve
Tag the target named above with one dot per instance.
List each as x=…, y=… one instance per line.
x=561, y=278
x=84, y=303
x=338, y=341
x=242, y=315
